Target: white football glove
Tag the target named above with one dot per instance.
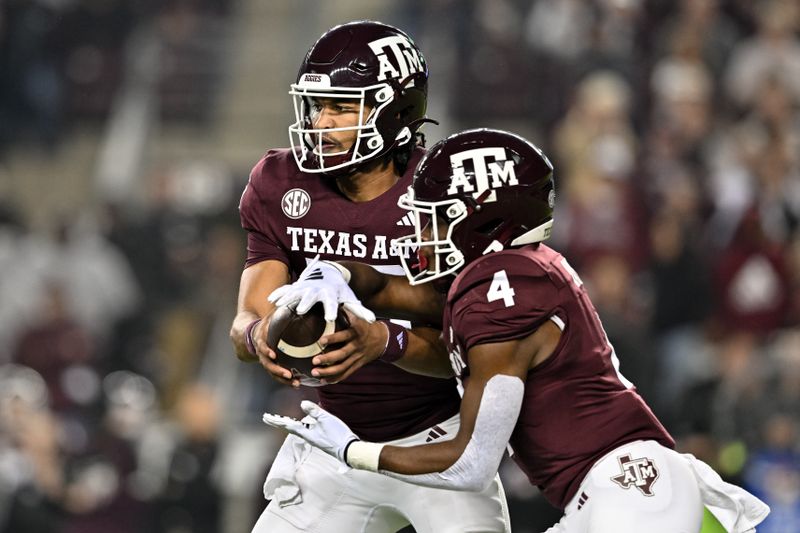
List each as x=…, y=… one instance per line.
x=321, y=281
x=320, y=428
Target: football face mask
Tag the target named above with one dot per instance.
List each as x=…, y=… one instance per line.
x=310, y=143
x=484, y=191
x=431, y=243
x=375, y=65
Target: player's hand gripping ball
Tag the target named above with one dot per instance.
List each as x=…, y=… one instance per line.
x=295, y=339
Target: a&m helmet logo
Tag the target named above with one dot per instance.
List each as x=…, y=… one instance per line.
x=405, y=58
x=491, y=169
x=640, y=473
x=295, y=203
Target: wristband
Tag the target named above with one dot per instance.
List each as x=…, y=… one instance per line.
x=396, y=343
x=248, y=337
x=363, y=455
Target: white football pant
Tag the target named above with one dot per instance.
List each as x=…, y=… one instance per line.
x=639, y=487
x=335, y=499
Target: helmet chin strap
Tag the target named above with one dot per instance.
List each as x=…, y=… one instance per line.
x=403, y=136
x=350, y=170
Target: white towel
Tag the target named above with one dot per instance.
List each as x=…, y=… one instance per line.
x=280, y=484
x=736, y=509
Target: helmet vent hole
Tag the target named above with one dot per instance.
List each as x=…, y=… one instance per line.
x=359, y=67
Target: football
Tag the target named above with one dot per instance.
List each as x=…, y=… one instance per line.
x=295, y=339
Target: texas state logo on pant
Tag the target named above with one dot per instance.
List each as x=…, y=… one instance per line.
x=640, y=473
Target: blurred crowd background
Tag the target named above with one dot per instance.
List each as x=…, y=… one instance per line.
x=127, y=131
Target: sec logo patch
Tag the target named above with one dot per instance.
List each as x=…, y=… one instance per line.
x=296, y=203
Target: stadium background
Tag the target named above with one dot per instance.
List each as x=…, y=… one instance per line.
x=128, y=128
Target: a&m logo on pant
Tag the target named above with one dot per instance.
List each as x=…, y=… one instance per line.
x=640, y=473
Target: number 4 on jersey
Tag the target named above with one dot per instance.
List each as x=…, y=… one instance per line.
x=500, y=289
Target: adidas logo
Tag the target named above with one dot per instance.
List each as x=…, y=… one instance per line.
x=582, y=500
x=407, y=220
x=435, y=433
x=315, y=274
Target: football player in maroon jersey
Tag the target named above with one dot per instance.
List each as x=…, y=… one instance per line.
x=359, y=98
x=537, y=369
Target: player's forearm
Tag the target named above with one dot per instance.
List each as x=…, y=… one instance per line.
x=426, y=354
x=447, y=465
x=238, y=335
x=365, y=281
x=393, y=296
x=471, y=459
x=257, y=282
x=422, y=459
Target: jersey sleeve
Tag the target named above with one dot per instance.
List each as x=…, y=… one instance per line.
x=503, y=298
x=255, y=211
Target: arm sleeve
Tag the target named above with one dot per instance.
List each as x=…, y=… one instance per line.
x=475, y=469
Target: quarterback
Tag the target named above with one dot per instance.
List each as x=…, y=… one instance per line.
x=537, y=369
x=359, y=99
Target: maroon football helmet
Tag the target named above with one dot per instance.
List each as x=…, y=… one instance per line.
x=483, y=191
x=375, y=65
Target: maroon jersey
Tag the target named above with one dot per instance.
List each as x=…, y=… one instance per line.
x=577, y=406
x=292, y=216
